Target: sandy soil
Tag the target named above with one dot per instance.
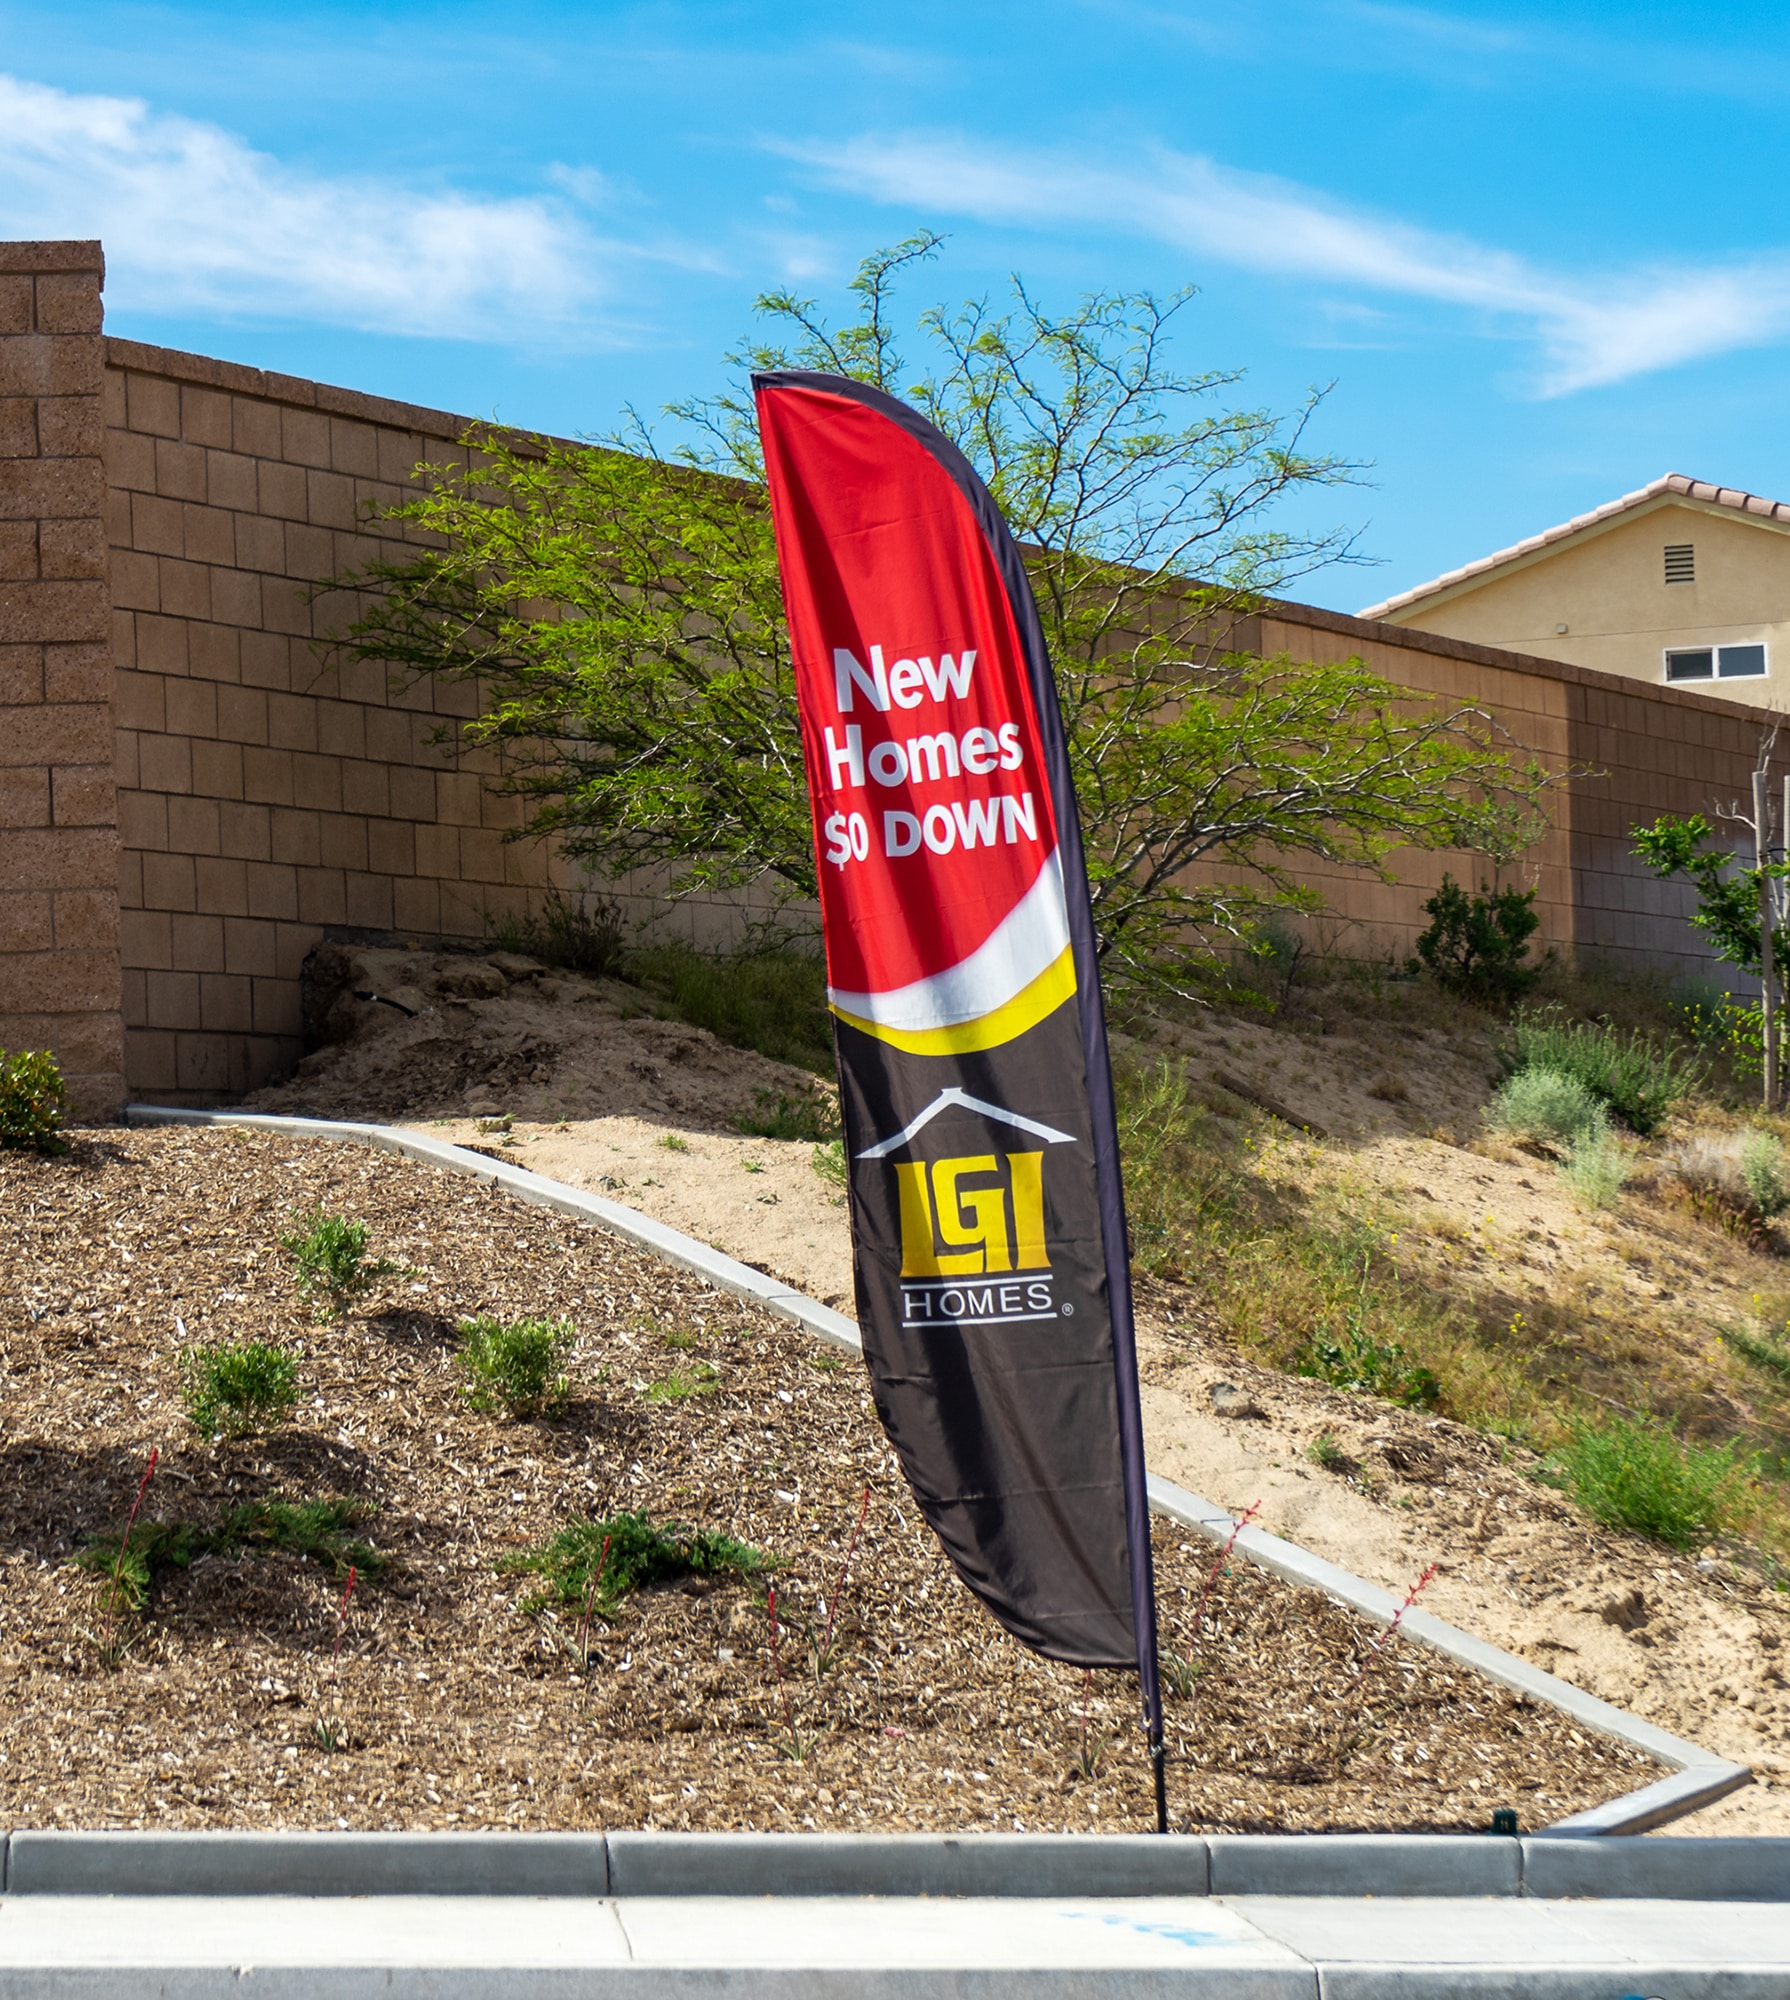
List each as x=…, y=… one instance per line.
x=252, y=1691
x=1686, y=1641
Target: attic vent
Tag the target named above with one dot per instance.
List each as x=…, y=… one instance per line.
x=1681, y=562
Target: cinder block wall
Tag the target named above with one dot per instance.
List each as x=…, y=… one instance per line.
x=164, y=521
x=267, y=793
x=59, y=924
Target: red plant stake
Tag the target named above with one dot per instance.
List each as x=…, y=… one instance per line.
x=124, y=1544
x=1411, y=1596
x=777, y=1657
x=335, y=1658
x=851, y=1549
x=590, y=1601
x=1224, y=1556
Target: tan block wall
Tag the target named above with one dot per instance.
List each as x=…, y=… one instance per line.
x=59, y=919
x=1638, y=752
x=268, y=793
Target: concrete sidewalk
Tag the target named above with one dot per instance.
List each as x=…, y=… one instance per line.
x=650, y=1916
x=889, y=1948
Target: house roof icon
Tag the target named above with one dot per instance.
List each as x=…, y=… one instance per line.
x=961, y=1099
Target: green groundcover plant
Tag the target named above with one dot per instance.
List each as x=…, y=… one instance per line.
x=33, y=1099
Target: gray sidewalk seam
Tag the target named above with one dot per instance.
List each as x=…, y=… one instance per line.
x=1697, y=1778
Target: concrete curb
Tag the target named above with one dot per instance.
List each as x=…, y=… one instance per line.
x=1698, y=1779
x=1054, y=1866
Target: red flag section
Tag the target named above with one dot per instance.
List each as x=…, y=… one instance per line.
x=941, y=886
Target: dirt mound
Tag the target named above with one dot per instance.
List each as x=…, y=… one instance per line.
x=408, y=1034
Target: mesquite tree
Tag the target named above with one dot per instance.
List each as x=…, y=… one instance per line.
x=619, y=602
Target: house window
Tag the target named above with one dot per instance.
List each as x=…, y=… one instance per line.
x=1681, y=562
x=1708, y=663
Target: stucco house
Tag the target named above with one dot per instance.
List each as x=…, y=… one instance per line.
x=1680, y=582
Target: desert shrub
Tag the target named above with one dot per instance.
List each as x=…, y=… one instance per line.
x=1735, y=1177
x=775, y=1115
x=1762, y=1172
x=1351, y=1356
x=1639, y=1079
x=625, y=1553
x=238, y=1391
x=1596, y=1168
x=320, y=1530
x=33, y=1098
x=1545, y=1104
x=332, y=1267
x=1634, y=1473
x=1476, y=945
x=515, y=1365
x=580, y=934
x=771, y=1001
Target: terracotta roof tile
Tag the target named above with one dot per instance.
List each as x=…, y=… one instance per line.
x=1671, y=482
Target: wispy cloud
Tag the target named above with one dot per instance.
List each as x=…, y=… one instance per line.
x=194, y=219
x=1590, y=330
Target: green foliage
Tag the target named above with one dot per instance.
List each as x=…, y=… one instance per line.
x=240, y=1390
x=515, y=1365
x=332, y=1268
x=33, y=1098
x=620, y=606
x=1476, y=945
x=830, y=1163
x=674, y=1142
x=1634, y=1473
x=699, y=1379
x=771, y=1001
x=1180, y=1180
x=320, y=1530
x=1596, y=1168
x=775, y=1115
x=1544, y=1104
x=1762, y=1173
x=1765, y=1350
x=576, y=933
x=638, y=1555
x=1326, y=1453
x=1727, y=894
x=1636, y=1077
x=1350, y=1356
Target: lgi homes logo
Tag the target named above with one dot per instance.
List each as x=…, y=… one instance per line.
x=973, y=1244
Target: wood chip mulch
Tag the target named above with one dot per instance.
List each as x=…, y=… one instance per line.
x=450, y=1706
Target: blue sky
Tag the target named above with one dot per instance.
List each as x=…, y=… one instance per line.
x=1542, y=253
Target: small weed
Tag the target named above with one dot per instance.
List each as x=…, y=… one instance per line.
x=623, y=1554
x=699, y=1379
x=1547, y=1105
x=776, y=1115
x=1636, y=1474
x=316, y=1529
x=1180, y=1675
x=1636, y=1077
x=1763, y=1350
x=1354, y=1358
x=1328, y=1454
x=33, y=1099
x=680, y=1337
x=1596, y=1168
x=499, y=1127
x=829, y=1162
x=515, y=1365
x=674, y=1142
x=239, y=1391
x=332, y=1268
x=578, y=934
x=329, y=1737
x=753, y=1166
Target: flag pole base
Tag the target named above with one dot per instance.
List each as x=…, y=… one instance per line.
x=1159, y=1765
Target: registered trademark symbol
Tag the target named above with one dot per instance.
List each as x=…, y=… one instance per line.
x=1068, y=1308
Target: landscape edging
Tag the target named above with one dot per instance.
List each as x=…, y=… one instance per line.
x=1697, y=1779
x=1018, y=1865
